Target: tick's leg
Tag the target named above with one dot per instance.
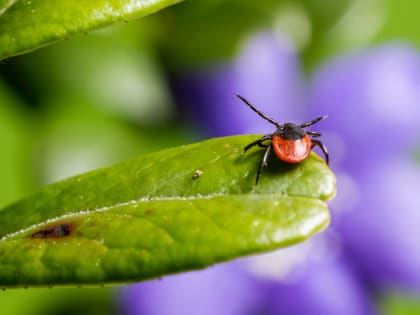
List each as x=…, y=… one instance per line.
x=271, y=120
x=313, y=133
x=313, y=121
x=258, y=142
x=263, y=163
x=323, y=149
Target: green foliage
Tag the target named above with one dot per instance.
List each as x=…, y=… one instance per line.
x=399, y=303
x=60, y=301
x=30, y=24
x=173, y=210
x=14, y=158
x=401, y=22
x=202, y=32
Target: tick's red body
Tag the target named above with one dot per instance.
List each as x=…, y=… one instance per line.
x=292, y=151
x=290, y=142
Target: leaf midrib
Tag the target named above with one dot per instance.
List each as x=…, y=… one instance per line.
x=80, y=213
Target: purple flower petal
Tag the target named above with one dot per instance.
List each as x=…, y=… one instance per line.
x=381, y=235
x=222, y=289
x=327, y=288
x=373, y=102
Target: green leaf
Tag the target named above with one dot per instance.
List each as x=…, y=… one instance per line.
x=26, y=25
x=174, y=210
x=15, y=144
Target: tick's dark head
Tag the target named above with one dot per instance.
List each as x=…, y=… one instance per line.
x=290, y=131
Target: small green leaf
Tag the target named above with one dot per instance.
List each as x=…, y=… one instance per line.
x=173, y=210
x=26, y=25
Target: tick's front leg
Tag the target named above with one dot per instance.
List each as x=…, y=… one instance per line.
x=259, y=142
x=263, y=163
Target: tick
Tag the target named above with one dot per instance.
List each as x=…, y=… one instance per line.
x=291, y=143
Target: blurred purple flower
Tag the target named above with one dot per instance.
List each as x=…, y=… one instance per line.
x=381, y=235
x=222, y=289
x=267, y=73
x=373, y=102
x=372, y=99
x=327, y=288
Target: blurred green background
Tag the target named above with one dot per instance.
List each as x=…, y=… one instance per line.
x=103, y=97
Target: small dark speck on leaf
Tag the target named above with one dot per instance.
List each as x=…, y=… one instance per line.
x=55, y=231
x=197, y=174
x=148, y=212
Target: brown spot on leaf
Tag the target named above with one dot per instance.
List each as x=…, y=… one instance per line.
x=148, y=212
x=55, y=231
